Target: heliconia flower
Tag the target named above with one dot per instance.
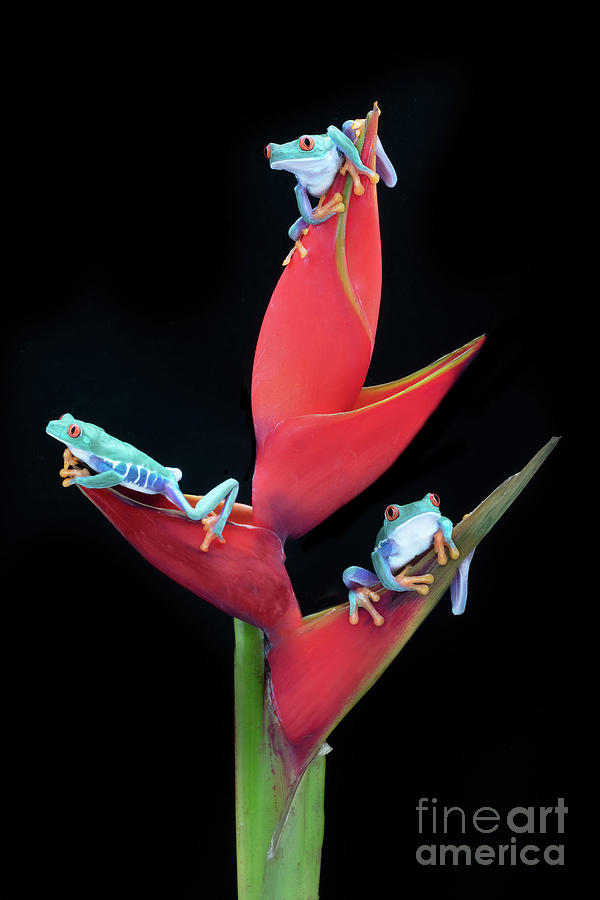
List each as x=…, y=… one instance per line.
x=317, y=427
x=315, y=423
x=318, y=431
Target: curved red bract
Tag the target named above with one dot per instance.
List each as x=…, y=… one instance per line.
x=245, y=576
x=324, y=667
x=310, y=466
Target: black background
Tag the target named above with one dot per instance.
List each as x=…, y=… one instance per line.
x=148, y=237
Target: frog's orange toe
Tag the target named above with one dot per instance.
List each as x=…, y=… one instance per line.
x=209, y=523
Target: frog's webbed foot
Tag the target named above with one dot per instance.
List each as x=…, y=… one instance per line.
x=357, y=127
x=364, y=597
x=299, y=246
x=209, y=522
x=71, y=469
x=440, y=542
x=323, y=210
x=417, y=583
x=69, y=459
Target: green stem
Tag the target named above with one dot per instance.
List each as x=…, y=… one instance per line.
x=279, y=817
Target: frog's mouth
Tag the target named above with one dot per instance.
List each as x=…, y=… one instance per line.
x=51, y=432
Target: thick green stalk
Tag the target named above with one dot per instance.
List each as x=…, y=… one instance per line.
x=279, y=819
x=253, y=822
x=292, y=873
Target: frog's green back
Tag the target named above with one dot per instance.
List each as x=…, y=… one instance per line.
x=85, y=440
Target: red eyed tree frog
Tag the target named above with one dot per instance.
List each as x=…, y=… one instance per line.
x=114, y=462
x=315, y=160
x=407, y=532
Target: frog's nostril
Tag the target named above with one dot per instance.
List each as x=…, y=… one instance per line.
x=268, y=151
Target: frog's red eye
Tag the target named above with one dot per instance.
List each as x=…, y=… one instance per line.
x=268, y=151
x=73, y=430
x=391, y=513
x=434, y=499
x=306, y=142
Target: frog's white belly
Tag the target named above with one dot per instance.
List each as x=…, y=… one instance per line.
x=316, y=174
x=318, y=181
x=412, y=538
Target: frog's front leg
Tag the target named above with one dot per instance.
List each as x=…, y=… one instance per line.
x=309, y=216
x=360, y=581
x=71, y=468
x=353, y=164
x=400, y=582
x=213, y=523
x=442, y=539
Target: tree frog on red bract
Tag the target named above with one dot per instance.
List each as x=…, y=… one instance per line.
x=315, y=160
x=407, y=532
x=116, y=462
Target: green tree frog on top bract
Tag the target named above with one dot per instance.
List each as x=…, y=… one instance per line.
x=407, y=532
x=117, y=463
x=315, y=160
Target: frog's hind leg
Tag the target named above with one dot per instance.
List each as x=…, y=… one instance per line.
x=360, y=583
x=417, y=583
x=172, y=492
x=322, y=211
x=297, y=232
x=460, y=586
x=214, y=523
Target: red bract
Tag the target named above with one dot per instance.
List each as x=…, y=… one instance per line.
x=318, y=430
x=309, y=466
x=245, y=577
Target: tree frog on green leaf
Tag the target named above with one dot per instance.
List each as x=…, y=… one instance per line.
x=114, y=462
x=315, y=160
x=407, y=532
